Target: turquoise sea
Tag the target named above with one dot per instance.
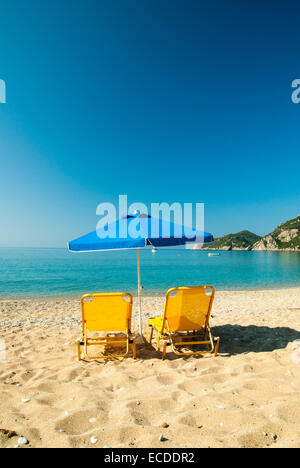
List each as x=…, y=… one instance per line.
x=57, y=272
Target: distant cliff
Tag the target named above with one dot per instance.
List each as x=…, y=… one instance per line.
x=285, y=237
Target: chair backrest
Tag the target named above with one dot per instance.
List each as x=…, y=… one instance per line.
x=106, y=312
x=188, y=309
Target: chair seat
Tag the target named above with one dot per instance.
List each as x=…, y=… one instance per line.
x=107, y=315
x=157, y=322
x=185, y=322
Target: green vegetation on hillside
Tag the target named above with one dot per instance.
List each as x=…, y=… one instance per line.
x=240, y=240
x=285, y=237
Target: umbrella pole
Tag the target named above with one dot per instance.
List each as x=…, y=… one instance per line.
x=139, y=295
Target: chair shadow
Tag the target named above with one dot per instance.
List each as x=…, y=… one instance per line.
x=235, y=339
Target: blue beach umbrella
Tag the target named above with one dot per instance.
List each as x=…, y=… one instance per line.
x=138, y=231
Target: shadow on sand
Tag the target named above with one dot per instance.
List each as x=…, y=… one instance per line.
x=237, y=339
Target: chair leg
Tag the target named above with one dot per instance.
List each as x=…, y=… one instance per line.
x=164, y=350
x=151, y=335
x=85, y=340
x=149, y=338
x=127, y=345
x=217, y=347
x=85, y=347
x=133, y=350
x=79, y=350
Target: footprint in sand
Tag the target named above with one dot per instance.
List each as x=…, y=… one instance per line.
x=165, y=379
x=188, y=419
x=289, y=412
x=79, y=422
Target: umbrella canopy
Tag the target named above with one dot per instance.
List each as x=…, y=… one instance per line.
x=135, y=232
x=138, y=231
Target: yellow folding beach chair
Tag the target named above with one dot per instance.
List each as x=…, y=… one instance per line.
x=109, y=314
x=185, y=321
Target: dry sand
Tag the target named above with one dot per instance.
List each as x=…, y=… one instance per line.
x=247, y=397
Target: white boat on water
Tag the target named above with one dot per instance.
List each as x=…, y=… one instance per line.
x=154, y=249
x=213, y=254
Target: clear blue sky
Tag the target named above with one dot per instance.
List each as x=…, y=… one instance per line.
x=184, y=101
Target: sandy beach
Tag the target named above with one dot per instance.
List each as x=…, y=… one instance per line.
x=246, y=397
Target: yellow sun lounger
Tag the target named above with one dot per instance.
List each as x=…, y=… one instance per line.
x=185, y=321
x=111, y=314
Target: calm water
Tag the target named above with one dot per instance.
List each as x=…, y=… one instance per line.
x=56, y=272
